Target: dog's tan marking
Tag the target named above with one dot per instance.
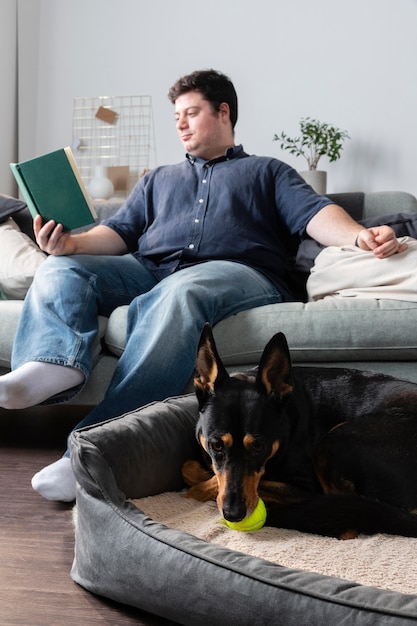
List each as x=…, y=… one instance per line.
x=250, y=491
x=222, y=481
x=349, y=534
x=248, y=441
x=202, y=441
x=227, y=439
x=274, y=449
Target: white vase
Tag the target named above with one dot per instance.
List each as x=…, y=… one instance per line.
x=317, y=179
x=100, y=187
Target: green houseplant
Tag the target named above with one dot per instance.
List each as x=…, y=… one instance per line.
x=317, y=139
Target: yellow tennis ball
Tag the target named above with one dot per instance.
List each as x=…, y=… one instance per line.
x=255, y=521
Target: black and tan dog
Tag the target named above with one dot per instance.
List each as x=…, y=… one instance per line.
x=331, y=451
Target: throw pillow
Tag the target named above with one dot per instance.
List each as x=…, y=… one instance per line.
x=20, y=258
x=9, y=206
x=403, y=224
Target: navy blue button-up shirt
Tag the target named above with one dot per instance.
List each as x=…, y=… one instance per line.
x=237, y=207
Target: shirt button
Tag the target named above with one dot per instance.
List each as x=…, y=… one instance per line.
x=204, y=181
x=201, y=201
x=191, y=246
x=196, y=221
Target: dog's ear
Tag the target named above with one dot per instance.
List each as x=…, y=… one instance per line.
x=274, y=372
x=209, y=366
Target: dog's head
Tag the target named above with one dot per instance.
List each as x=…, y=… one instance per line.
x=241, y=425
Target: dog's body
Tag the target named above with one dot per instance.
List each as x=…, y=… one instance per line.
x=331, y=451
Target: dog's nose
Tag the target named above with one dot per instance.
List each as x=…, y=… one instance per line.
x=234, y=512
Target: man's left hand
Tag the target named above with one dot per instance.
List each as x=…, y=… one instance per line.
x=381, y=240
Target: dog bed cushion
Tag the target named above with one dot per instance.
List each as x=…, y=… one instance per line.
x=123, y=554
x=379, y=560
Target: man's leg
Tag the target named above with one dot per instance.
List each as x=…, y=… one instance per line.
x=53, y=344
x=164, y=326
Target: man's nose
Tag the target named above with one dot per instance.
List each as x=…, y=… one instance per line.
x=181, y=122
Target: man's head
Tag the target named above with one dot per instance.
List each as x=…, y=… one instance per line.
x=214, y=86
x=205, y=112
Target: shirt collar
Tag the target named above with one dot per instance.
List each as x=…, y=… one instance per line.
x=231, y=153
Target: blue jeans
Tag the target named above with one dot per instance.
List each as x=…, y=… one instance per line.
x=59, y=320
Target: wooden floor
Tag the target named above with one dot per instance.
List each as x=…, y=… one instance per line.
x=36, y=538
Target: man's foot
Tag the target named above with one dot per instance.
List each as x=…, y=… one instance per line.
x=34, y=382
x=56, y=481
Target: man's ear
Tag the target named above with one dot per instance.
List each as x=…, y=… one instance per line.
x=224, y=111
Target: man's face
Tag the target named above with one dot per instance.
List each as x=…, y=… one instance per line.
x=204, y=133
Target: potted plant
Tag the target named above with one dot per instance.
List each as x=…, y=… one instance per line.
x=317, y=139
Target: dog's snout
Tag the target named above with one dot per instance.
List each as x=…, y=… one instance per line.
x=234, y=510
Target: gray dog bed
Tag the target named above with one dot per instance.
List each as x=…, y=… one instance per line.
x=123, y=554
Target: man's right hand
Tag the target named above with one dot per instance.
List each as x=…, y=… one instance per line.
x=52, y=238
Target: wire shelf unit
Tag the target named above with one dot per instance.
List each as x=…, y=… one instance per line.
x=115, y=132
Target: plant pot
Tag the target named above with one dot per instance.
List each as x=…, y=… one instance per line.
x=317, y=179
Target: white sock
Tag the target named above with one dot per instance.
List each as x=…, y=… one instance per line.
x=34, y=382
x=56, y=481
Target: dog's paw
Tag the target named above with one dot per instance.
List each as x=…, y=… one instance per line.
x=202, y=482
x=193, y=473
x=203, y=492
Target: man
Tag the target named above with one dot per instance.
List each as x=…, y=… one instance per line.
x=194, y=242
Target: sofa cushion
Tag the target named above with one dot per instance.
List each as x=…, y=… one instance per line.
x=10, y=312
x=20, y=258
x=326, y=330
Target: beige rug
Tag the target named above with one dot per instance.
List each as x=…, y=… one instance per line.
x=381, y=561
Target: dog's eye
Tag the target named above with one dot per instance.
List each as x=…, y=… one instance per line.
x=217, y=446
x=258, y=447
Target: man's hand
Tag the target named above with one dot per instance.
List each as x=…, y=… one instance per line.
x=52, y=238
x=332, y=226
x=381, y=240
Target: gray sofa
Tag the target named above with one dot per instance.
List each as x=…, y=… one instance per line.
x=367, y=334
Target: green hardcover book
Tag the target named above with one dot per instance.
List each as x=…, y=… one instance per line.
x=52, y=187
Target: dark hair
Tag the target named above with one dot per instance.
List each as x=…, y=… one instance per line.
x=214, y=87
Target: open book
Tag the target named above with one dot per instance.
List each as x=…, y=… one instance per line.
x=52, y=187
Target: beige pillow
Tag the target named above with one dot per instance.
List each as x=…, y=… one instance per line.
x=20, y=257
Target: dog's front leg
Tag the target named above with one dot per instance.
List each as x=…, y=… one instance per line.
x=202, y=482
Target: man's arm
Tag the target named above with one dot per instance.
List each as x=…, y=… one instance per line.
x=51, y=238
x=332, y=226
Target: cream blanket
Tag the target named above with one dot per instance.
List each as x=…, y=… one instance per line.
x=349, y=272
x=383, y=561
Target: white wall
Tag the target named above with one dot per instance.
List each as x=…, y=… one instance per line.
x=351, y=63
x=8, y=117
